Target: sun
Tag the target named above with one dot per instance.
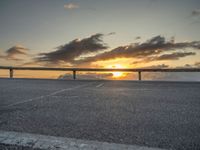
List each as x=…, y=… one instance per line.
x=117, y=74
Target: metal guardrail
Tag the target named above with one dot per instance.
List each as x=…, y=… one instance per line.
x=74, y=70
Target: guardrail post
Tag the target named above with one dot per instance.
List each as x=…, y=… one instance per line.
x=74, y=74
x=139, y=76
x=11, y=73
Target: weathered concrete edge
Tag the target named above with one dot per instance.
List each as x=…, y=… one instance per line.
x=61, y=143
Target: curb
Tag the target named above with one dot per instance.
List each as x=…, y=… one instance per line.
x=43, y=142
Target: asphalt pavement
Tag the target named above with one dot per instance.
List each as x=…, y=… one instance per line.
x=154, y=114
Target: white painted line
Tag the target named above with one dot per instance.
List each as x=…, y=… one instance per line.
x=52, y=94
x=58, y=96
x=99, y=85
x=43, y=142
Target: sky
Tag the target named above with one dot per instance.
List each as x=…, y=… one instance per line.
x=100, y=33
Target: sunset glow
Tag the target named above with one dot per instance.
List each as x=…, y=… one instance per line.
x=80, y=34
x=117, y=74
x=125, y=72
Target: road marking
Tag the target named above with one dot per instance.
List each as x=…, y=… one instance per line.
x=52, y=94
x=99, y=85
x=37, y=141
x=58, y=96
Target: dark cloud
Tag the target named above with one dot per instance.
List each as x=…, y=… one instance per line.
x=153, y=47
x=161, y=66
x=196, y=12
x=137, y=38
x=15, y=52
x=164, y=57
x=92, y=49
x=69, y=52
x=112, y=33
x=172, y=56
x=197, y=64
x=187, y=66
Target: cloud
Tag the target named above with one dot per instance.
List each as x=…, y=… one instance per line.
x=197, y=64
x=160, y=66
x=194, y=65
x=17, y=50
x=90, y=76
x=152, y=47
x=111, y=33
x=137, y=38
x=15, y=53
x=172, y=56
x=69, y=52
x=71, y=6
x=196, y=12
x=92, y=49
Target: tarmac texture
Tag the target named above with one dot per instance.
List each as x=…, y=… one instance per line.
x=154, y=114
